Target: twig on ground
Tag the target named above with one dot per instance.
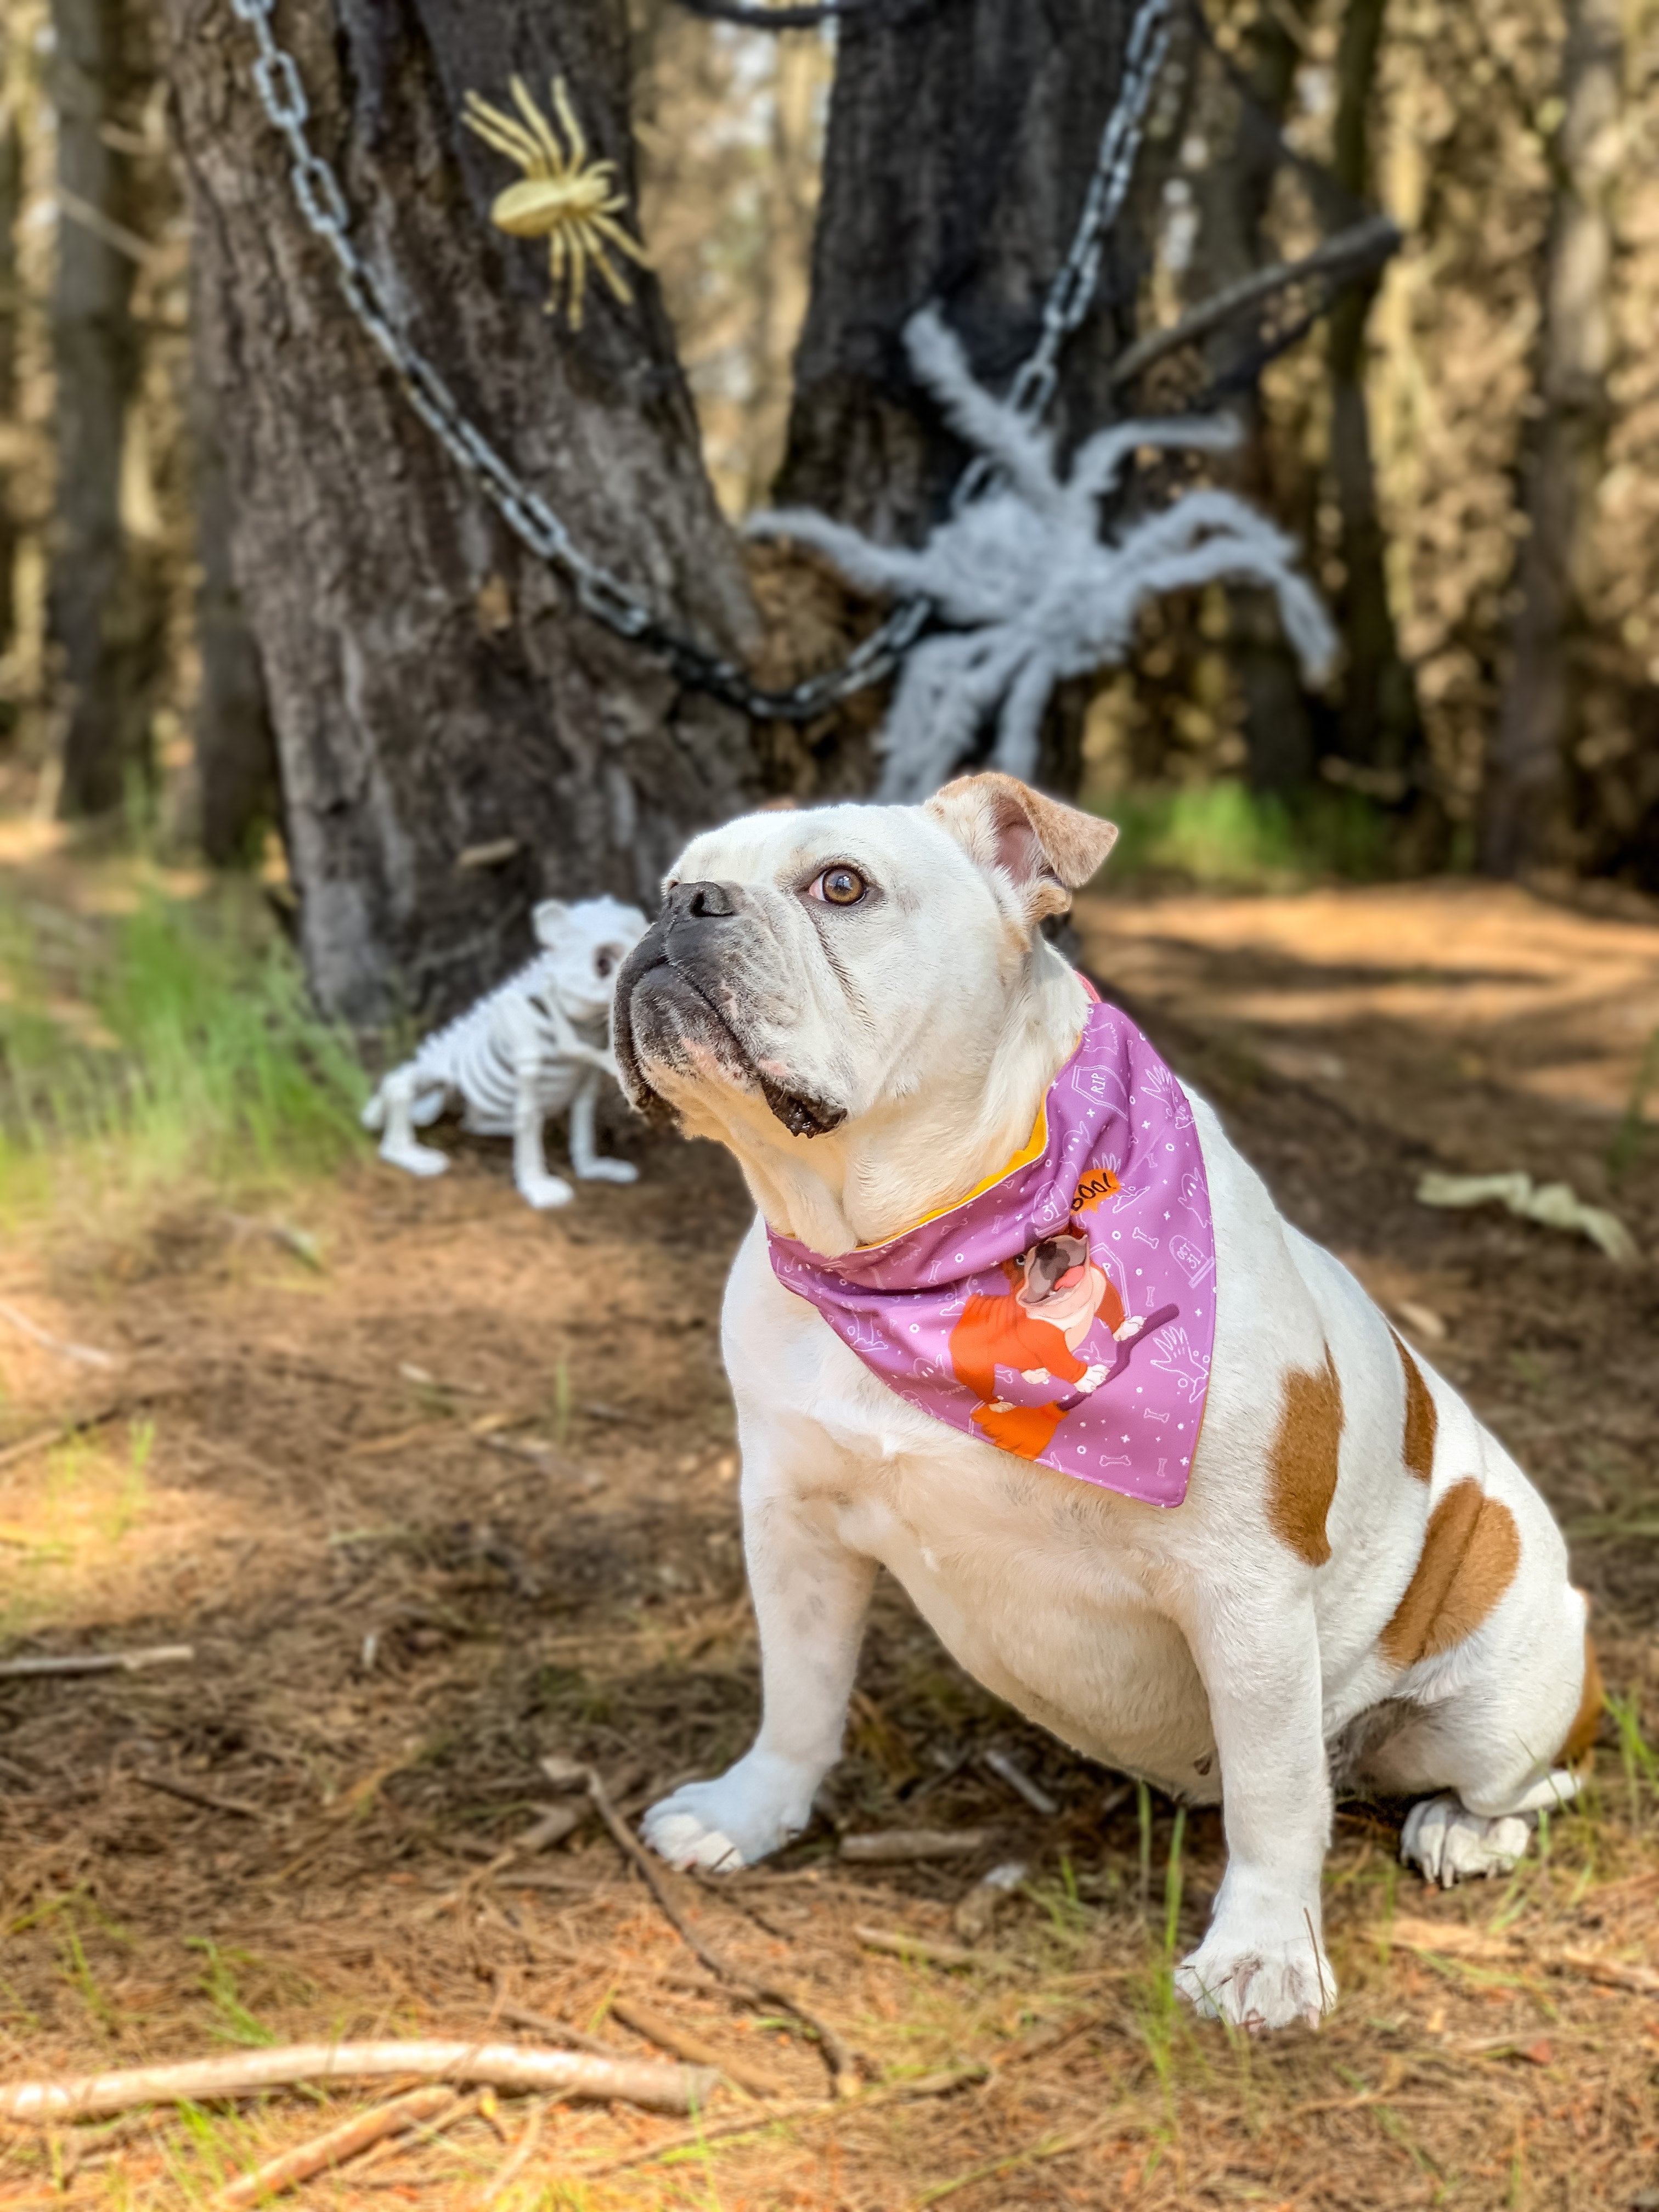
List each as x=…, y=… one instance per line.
x=84, y=1355
x=669, y=2035
x=556, y=1822
x=506, y=2065
x=516, y=2159
x=836, y=2056
x=59, y=1432
x=1007, y=1768
x=97, y=1663
x=209, y=1803
x=561, y=2031
x=897, y=1945
x=415, y=2138
x=899, y=1846
x=893, y=2093
x=332, y=2149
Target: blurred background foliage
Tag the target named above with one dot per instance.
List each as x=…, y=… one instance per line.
x=1486, y=128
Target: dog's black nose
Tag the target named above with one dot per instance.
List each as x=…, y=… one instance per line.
x=702, y=902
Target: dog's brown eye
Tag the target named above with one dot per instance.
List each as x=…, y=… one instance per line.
x=839, y=887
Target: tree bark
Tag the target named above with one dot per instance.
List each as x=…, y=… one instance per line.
x=1378, y=727
x=1237, y=160
x=962, y=139
x=235, y=754
x=1521, y=801
x=11, y=317
x=94, y=346
x=433, y=689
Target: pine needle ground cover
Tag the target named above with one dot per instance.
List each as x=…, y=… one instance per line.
x=435, y=1490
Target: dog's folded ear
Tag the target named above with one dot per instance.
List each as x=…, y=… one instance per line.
x=1044, y=849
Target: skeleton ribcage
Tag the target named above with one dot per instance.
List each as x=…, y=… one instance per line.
x=475, y=1058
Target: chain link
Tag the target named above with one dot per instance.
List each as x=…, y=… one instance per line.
x=323, y=207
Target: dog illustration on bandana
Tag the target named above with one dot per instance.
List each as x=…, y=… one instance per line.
x=1058, y=1300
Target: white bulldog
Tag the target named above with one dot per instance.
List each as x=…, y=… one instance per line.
x=859, y=1002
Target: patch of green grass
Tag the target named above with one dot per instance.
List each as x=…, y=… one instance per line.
x=1226, y=836
x=219, y=1985
x=178, y=1039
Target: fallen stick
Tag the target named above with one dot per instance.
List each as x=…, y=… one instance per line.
x=1008, y=1769
x=837, y=2057
x=1456, y=1941
x=560, y=2030
x=85, y=1355
x=97, y=1663
x=187, y=1796
x=556, y=1822
x=504, y=2065
x=43, y=1439
x=900, y=1846
x=897, y=1945
x=332, y=2149
x=669, y=2035
x=808, y=2108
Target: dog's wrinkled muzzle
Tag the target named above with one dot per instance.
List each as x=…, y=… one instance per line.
x=679, y=1001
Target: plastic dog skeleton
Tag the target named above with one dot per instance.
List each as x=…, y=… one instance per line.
x=538, y=1044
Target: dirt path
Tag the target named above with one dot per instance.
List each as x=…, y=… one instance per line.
x=464, y=1496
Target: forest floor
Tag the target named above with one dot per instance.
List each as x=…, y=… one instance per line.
x=434, y=1488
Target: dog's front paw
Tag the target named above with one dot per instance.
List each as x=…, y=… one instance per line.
x=610, y=1171
x=1258, y=1985
x=1451, y=1844
x=751, y=1811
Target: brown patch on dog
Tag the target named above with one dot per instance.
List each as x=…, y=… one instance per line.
x=1587, y=1721
x=1302, y=1465
x=1470, y=1552
x=1422, y=1422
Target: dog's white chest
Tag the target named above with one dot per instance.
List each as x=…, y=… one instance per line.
x=1013, y=1566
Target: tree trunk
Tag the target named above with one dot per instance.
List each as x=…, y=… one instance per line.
x=235, y=754
x=1235, y=159
x=94, y=346
x=962, y=139
x=1520, y=803
x=456, y=739
x=11, y=304
x=1378, y=727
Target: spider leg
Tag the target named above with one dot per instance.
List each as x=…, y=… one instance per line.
x=539, y=128
x=556, y=260
x=599, y=221
x=578, y=275
x=501, y=132
x=573, y=129
x=603, y=263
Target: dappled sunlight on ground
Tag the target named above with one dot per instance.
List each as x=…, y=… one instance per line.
x=434, y=1488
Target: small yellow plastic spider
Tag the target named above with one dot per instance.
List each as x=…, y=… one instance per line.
x=565, y=198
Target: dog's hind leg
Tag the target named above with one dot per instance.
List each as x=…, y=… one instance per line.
x=1499, y=1745
x=810, y=1594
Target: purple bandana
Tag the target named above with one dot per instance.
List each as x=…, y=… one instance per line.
x=1066, y=1308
